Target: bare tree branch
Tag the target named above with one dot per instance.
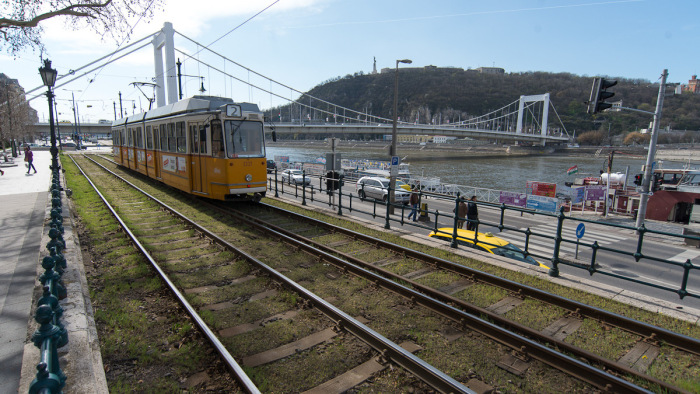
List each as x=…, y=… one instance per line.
x=20, y=27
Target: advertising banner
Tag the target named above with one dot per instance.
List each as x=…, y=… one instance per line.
x=514, y=199
x=542, y=189
x=542, y=203
x=169, y=163
x=595, y=193
x=578, y=195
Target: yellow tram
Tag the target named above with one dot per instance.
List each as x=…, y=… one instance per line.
x=204, y=145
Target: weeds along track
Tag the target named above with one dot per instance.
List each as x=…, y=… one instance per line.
x=287, y=338
x=544, y=317
x=426, y=303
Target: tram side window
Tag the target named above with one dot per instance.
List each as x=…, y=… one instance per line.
x=181, y=137
x=122, y=137
x=163, y=138
x=156, y=138
x=171, y=138
x=194, y=141
x=217, y=139
x=129, y=136
x=149, y=138
x=202, y=140
x=139, y=138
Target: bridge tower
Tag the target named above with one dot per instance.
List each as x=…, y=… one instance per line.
x=545, y=112
x=165, y=39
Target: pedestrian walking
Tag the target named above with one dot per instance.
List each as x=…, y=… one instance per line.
x=461, y=213
x=472, y=214
x=29, y=158
x=413, y=200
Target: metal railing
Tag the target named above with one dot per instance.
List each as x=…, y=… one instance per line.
x=337, y=198
x=51, y=334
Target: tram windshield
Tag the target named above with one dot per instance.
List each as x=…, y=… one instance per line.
x=244, y=138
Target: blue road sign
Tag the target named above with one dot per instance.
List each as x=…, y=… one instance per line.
x=394, y=160
x=580, y=230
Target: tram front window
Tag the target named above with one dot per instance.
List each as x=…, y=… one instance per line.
x=244, y=139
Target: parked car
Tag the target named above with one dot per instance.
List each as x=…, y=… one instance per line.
x=271, y=166
x=295, y=176
x=378, y=188
x=486, y=242
x=403, y=185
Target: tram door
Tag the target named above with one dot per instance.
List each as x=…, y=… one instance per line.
x=198, y=149
x=135, y=133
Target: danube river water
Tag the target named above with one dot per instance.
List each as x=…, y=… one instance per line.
x=509, y=173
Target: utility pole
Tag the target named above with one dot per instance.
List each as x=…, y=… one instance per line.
x=648, y=171
x=121, y=109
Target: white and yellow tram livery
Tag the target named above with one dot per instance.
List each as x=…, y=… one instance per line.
x=207, y=146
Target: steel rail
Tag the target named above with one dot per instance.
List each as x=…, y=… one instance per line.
x=680, y=341
x=388, y=349
x=241, y=376
x=468, y=315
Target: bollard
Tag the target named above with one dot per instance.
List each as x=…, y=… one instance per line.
x=48, y=338
x=52, y=278
x=58, y=259
x=56, y=241
x=49, y=299
x=424, y=212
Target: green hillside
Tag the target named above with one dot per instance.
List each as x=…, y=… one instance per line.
x=453, y=94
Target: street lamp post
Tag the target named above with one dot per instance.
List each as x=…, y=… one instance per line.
x=392, y=177
x=48, y=76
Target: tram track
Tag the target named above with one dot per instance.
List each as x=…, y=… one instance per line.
x=453, y=308
x=334, y=324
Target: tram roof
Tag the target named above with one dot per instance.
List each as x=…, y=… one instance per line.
x=191, y=104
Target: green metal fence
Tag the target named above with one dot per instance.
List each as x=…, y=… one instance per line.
x=337, y=198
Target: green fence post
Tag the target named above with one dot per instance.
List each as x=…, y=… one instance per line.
x=388, y=203
x=454, y=222
x=303, y=187
x=554, y=271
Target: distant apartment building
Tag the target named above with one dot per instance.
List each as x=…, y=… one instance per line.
x=693, y=85
x=441, y=139
x=491, y=70
x=416, y=139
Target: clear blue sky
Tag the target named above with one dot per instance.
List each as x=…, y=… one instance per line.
x=302, y=43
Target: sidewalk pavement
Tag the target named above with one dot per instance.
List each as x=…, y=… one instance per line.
x=25, y=208
x=24, y=198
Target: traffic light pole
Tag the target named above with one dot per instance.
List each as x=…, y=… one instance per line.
x=648, y=170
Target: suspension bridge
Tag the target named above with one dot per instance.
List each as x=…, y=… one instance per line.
x=527, y=119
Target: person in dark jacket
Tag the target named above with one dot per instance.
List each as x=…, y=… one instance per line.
x=472, y=214
x=413, y=200
x=29, y=158
x=461, y=213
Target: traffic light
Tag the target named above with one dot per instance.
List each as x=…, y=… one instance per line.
x=332, y=180
x=599, y=94
x=638, y=179
x=656, y=183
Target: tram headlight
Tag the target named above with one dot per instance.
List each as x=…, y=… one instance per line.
x=248, y=178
